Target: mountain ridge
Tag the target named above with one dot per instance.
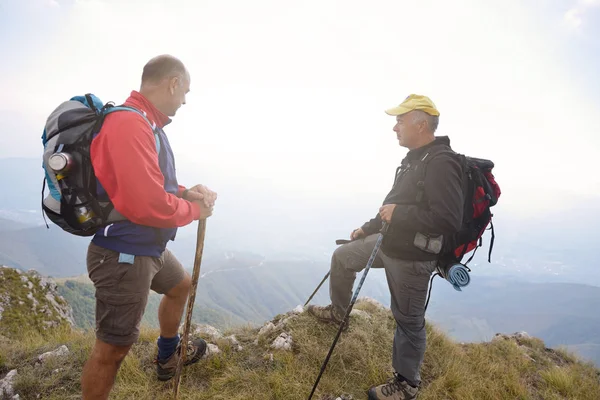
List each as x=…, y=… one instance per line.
x=281, y=359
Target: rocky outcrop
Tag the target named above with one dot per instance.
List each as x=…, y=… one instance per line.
x=60, y=352
x=283, y=342
x=207, y=331
x=28, y=299
x=7, y=389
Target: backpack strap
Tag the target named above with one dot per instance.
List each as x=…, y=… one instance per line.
x=152, y=125
x=112, y=214
x=491, y=240
x=422, y=166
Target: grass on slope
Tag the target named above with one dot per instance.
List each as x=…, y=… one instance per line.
x=501, y=369
x=25, y=303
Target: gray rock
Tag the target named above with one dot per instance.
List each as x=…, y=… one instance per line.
x=61, y=351
x=4, y=302
x=208, y=330
x=234, y=343
x=298, y=310
x=211, y=350
x=283, y=323
x=522, y=335
x=33, y=300
x=265, y=330
x=283, y=342
x=366, y=299
x=6, y=384
x=360, y=314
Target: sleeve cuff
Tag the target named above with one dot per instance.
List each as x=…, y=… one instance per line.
x=180, y=191
x=367, y=228
x=195, y=210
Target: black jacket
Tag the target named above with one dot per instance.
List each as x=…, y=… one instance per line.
x=436, y=213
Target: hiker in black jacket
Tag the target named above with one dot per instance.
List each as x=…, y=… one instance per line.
x=423, y=207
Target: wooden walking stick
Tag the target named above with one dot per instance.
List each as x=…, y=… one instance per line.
x=190, y=304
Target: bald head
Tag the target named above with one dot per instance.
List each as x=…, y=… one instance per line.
x=163, y=67
x=165, y=82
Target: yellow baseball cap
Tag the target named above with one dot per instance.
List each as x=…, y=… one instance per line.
x=414, y=102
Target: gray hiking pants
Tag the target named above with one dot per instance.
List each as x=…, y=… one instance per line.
x=408, y=282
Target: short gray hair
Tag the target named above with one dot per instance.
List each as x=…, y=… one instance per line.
x=432, y=120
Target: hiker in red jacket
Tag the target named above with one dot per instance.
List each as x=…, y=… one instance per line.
x=135, y=170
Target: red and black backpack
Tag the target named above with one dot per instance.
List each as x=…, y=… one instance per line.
x=481, y=193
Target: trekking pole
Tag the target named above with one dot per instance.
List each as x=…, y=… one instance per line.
x=349, y=309
x=317, y=289
x=190, y=304
x=339, y=241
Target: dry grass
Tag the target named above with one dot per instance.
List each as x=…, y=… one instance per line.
x=502, y=369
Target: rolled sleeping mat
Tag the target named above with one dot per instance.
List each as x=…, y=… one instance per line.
x=458, y=276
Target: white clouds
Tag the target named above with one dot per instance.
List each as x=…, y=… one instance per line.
x=574, y=17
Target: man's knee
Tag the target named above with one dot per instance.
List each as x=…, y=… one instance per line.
x=344, y=253
x=109, y=354
x=413, y=324
x=336, y=256
x=339, y=260
x=352, y=257
x=182, y=289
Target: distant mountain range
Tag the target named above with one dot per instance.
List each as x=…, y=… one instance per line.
x=564, y=314
x=556, y=247
x=256, y=266
x=247, y=290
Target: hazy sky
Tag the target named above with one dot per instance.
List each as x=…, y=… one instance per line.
x=294, y=92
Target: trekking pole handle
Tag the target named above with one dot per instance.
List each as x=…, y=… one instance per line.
x=342, y=241
x=384, y=228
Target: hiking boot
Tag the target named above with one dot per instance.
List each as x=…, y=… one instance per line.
x=327, y=314
x=396, y=389
x=166, y=369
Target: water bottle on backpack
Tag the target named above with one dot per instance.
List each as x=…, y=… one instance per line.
x=62, y=164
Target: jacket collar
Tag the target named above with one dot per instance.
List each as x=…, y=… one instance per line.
x=141, y=103
x=420, y=151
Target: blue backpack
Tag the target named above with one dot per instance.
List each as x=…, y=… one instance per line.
x=72, y=203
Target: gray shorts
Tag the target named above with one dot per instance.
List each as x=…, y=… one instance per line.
x=122, y=289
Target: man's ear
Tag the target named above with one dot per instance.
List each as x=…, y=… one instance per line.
x=421, y=124
x=173, y=83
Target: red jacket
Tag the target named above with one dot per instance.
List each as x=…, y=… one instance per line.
x=125, y=162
